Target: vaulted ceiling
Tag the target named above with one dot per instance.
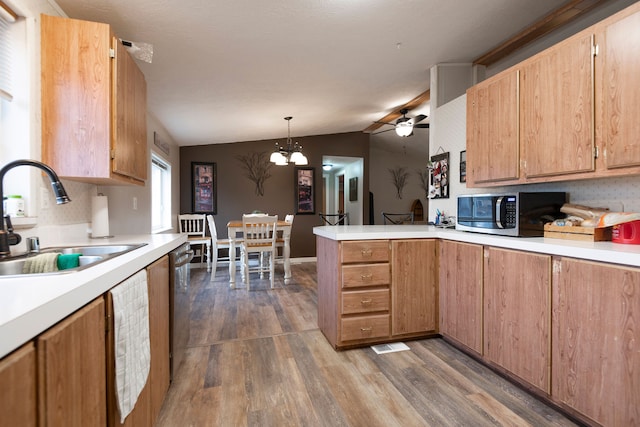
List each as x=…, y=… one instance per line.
x=231, y=70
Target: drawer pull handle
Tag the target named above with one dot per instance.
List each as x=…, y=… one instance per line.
x=366, y=277
x=366, y=253
x=369, y=329
x=366, y=301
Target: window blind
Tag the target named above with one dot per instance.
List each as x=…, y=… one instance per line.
x=5, y=55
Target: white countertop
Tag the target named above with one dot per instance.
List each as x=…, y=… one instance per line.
x=609, y=252
x=30, y=305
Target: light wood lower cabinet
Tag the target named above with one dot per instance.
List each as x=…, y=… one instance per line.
x=460, y=292
x=152, y=395
x=517, y=314
x=414, y=286
x=596, y=335
x=71, y=370
x=374, y=291
x=18, y=393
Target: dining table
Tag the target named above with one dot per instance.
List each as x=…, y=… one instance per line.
x=235, y=232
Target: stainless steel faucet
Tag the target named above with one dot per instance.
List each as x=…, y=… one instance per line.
x=7, y=236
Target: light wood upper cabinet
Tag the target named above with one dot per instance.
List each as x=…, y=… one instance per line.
x=71, y=370
x=556, y=109
x=414, y=284
x=493, y=152
x=460, y=293
x=596, y=335
x=619, y=45
x=18, y=394
x=93, y=105
x=517, y=314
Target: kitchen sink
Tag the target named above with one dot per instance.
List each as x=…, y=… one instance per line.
x=91, y=255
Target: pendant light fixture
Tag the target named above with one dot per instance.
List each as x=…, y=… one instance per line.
x=291, y=153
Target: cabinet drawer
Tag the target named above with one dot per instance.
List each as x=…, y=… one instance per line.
x=365, y=301
x=365, y=327
x=365, y=251
x=365, y=275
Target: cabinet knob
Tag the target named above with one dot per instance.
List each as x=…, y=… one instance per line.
x=366, y=253
x=366, y=277
x=366, y=302
x=368, y=329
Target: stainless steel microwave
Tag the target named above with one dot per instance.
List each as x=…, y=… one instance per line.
x=520, y=214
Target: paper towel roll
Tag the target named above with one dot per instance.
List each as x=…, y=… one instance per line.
x=99, y=216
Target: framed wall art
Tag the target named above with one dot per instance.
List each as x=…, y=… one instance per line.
x=463, y=166
x=204, y=188
x=305, y=191
x=353, y=189
x=439, y=188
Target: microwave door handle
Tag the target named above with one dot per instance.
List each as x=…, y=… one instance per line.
x=499, y=212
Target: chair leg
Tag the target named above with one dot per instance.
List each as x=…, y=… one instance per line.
x=272, y=267
x=208, y=257
x=214, y=261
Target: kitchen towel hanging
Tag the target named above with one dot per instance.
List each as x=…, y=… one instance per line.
x=100, y=216
x=131, y=340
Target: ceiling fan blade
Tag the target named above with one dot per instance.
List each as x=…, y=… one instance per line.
x=423, y=125
x=382, y=131
x=385, y=123
x=419, y=118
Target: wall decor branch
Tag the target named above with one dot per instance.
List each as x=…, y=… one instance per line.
x=425, y=177
x=399, y=177
x=257, y=167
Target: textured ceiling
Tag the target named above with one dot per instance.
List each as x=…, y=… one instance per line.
x=231, y=70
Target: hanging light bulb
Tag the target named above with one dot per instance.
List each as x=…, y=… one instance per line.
x=291, y=153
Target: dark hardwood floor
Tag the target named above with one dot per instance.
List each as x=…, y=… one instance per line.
x=257, y=358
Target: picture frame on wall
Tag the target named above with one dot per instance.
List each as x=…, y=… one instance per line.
x=204, y=188
x=463, y=166
x=439, y=186
x=353, y=189
x=304, y=186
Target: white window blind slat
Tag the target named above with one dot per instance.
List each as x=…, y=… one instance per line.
x=5, y=60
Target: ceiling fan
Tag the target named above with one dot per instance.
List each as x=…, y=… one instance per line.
x=404, y=125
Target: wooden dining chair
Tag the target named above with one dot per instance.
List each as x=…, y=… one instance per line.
x=280, y=239
x=216, y=245
x=195, y=226
x=397, y=218
x=335, y=219
x=259, y=236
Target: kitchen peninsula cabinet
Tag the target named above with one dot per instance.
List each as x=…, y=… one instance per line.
x=517, y=314
x=71, y=369
x=18, y=402
x=493, y=146
x=373, y=291
x=93, y=104
x=414, y=286
x=460, y=292
x=596, y=351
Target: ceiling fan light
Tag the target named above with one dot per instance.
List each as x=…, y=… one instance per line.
x=404, y=128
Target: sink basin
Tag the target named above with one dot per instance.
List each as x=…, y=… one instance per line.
x=91, y=255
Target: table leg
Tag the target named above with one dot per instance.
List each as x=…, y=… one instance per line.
x=286, y=253
x=232, y=260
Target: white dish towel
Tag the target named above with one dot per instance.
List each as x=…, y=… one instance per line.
x=131, y=335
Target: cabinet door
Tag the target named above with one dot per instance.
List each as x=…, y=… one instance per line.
x=556, y=109
x=129, y=155
x=596, y=352
x=76, y=97
x=460, y=293
x=492, y=130
x=621, y=92
x=413, y=286
x=159, y=374
x=71, y=370
x=18, y=396
x=517, y=293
